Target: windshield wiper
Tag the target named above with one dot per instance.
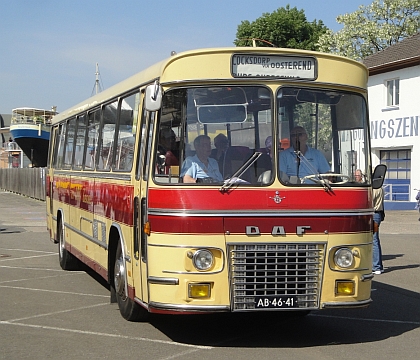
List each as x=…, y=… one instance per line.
x=238, y=173
x=317, y=176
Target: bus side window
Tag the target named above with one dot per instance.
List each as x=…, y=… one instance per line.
x=128, y=113
x=106, y=142
x=59, y=152
x=80, y=143
x=94, y=120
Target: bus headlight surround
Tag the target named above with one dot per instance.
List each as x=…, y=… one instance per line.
x=203, y=259
x=344, y=258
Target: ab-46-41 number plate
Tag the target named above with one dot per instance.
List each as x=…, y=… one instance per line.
x=275, y=302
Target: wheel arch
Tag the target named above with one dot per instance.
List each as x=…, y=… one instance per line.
x=115, y=237
x=59, y=222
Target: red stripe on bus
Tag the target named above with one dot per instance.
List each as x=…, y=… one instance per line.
x=113, y=201
x=254, y=199
x=265, y=225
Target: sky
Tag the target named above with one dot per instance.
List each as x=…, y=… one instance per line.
x=49, y=48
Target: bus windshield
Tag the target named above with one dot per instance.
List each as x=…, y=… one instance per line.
x=208, y=133
x=323, y=137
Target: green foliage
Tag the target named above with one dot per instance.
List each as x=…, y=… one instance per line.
x=372, y=28
x=285, y=27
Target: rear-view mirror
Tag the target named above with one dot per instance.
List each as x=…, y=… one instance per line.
x=378, y=176
x=153, y=97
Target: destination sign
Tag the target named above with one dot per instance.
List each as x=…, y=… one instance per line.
x=278, y=66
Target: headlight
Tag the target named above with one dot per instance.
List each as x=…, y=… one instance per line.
x=343, y=258
x=203, y=259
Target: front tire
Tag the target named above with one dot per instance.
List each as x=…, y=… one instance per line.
x=129, y=310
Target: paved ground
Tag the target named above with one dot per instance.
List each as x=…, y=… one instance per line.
x=48, y=313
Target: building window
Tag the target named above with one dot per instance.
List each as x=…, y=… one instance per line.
x=398, y=175
x=393, y=92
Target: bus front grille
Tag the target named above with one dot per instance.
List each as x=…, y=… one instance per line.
x=263, y=272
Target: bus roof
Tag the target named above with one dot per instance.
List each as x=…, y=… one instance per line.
x=156, y=71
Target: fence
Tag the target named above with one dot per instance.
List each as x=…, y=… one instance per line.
x=397, y=192
x=27, y=181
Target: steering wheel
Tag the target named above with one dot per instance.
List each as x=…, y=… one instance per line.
x=315, y=178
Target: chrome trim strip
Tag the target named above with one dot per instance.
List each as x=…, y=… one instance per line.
x=162, y=281
x=262, y=213
x=186, y=246
x=94, y=175
x=367, y=277
x=348, y=271
x=197, y=308
x=142, y=303
x=353, y=304
x=87, y=237
x=193, y=247
x=234, y=81
x=194, y=272
x=120, y=234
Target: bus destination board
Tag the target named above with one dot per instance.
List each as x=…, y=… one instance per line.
x=277, y=66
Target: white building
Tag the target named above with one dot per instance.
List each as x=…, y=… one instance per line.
x=394, y=112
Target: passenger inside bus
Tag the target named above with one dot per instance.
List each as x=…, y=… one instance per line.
x=264, y=162
x=201, y=167
x=167, y=151
x=301, y=160
x=268, y=146
x=221, y=144
x=359, y=176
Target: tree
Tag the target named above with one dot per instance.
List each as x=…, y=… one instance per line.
x=372, y=28
x=285, y=27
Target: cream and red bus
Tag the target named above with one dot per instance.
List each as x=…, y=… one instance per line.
x=220, y=180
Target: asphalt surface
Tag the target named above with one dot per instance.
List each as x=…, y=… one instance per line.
x=48, y=313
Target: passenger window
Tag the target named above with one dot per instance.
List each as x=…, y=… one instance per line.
x=124, y=151
x=68, y=154
x=60, y=141
x=80, y=143
x=106, y=146
x=94, y=121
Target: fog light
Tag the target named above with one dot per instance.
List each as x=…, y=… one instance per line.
x=199, y=291
x=344, y=287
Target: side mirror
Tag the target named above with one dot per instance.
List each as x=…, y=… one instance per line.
x=378, y=176
x=153, y=97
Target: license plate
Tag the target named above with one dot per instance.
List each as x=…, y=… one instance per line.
x=275, y=302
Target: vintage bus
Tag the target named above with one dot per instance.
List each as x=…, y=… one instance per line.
x=220, y=180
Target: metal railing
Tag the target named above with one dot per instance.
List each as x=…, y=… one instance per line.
x=25, y=181
x=397, y=192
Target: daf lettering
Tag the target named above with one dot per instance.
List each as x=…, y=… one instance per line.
x=276, y=230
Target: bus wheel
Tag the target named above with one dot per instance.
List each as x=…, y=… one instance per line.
x=67, y=260
x=129, y=310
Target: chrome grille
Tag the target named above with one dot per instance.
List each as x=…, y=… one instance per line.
x=276, y=270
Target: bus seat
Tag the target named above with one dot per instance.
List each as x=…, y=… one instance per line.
x=265, y=177
x=174, y=170
x=235, y=158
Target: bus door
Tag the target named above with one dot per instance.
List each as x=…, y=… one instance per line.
x=139, y=263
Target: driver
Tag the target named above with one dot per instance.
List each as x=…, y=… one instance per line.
x=201, y=167
x=312, y=162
